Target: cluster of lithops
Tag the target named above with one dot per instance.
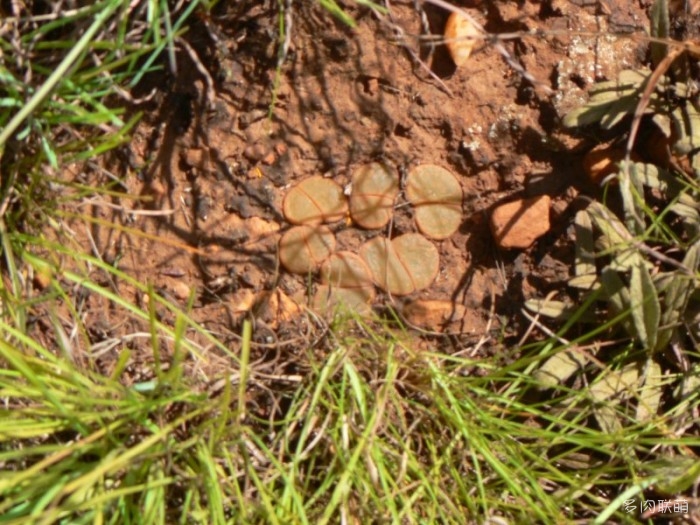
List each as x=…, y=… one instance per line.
x=400, y=266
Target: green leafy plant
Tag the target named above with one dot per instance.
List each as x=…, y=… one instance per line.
x=636, y=258
x=636, y=93
x=638, y=277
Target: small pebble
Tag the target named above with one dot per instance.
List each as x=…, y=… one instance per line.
x=193, y=157
x=156, y=188
x=255, y=152
x=603, y=161
x=460, y=35
x=181, y=290
x=434, y=315
x=520, y=223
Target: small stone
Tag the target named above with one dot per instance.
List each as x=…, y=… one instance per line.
x=255, y=152
x=257, y=227
x=280, y=148
x=436, y=315
x=242, y=301
x=520, y=223
x=181, y=291
x=461, y=35
x=155, y=188
x=372, y=87
x=269, y=159
x=604, y=160
x=194, y=157
x=42, y=278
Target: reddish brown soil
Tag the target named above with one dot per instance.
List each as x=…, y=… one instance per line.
x=216, y=160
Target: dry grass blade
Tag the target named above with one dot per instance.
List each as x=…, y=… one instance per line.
x=651, y=84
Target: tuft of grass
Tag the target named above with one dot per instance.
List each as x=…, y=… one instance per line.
x=65, y=80
x=375, y=430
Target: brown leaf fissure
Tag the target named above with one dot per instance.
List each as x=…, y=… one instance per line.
x=309, y=249
x=385, y=195
x=447, y=204
x=406, y=270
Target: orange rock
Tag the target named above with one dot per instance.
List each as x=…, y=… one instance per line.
x=461, y=35
x=433, y=315
x=604, y=160
x=243, y=300
x=520, y=223
x=42, y=277
x=181, y=291
x=194, y=157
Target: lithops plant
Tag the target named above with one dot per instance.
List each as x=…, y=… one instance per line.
x=347, y=281
x=346, y=270
x=304, y=248
x=436, y=196
x=403, y=265
x=461, y=36
x=328, y=298
x=315, y=200
x=374, y=189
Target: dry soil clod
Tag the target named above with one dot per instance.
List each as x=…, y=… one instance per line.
x=520, y=223
x=434, y=315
